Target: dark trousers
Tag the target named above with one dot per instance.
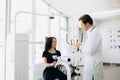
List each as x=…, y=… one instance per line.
x=92, y=77
x=53, y=73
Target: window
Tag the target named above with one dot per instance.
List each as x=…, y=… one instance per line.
x=64, y=23
x=40, y=35
x=2, y=37
x=24, y=23
x=54, y=27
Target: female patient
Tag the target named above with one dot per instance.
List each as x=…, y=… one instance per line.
x=50, y=55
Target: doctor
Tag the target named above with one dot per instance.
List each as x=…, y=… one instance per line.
x=93, y=66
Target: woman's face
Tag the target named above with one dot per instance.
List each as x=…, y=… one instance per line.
x=54, y=42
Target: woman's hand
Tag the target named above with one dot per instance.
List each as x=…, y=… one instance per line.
x=53, y=63
x=49, y=64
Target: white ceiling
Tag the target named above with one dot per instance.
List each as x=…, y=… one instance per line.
x=76, y=8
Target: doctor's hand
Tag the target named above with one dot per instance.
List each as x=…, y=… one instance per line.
x=78, y=44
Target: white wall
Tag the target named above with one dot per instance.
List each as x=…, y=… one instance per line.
x=109, y=27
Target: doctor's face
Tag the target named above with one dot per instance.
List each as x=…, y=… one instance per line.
x=83, y=25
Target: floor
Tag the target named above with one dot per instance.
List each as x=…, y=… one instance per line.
x=111, y=72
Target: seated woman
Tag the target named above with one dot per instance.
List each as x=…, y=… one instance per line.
x=49, y=56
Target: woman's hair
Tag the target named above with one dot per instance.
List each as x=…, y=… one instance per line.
x=48, y=43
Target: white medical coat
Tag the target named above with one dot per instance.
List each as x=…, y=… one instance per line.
x=93, y=66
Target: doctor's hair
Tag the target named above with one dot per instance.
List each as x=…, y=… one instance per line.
x=86, y=19
x=48, y=43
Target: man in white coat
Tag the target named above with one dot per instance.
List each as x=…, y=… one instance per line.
x=91, y=48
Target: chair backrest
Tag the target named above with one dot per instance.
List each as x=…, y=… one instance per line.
x=38, y=71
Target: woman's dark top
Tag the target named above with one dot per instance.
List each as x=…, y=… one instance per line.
x=51, y=73
x=51, y=57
